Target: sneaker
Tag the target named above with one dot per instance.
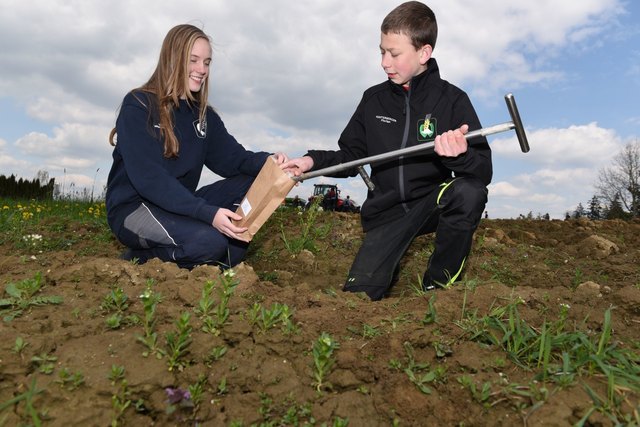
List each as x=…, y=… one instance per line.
x=127, y=255
x=429, y=285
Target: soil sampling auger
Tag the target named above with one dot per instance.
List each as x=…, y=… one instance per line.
x=515, y=124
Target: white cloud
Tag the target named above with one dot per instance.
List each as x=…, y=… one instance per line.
x=577, y=145
x=505, y=189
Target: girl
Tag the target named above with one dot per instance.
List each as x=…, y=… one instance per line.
x=165, y=133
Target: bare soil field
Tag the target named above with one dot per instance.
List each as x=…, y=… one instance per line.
x=542, y=331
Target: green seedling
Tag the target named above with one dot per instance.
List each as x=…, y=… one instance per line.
x=414, y=371
x=150, y=300
x=266, y=406
x=114, y=321
x=287, y=325
x=22, y=295
x=482, y=394
x=116, y=374
x=295, y=414
x=323, y=353
x=44, y=362
x=222, y=387
x=115, y=301
x=578, y=277
x=430, y=316
x=214, y=316
x=265, y=319
x=70, y=380
x=19, y=346
x=216, y=354
x=206, y=302
x=197, y=391
x=309, y=231
x=417, y=288
x=369, y=331
x=395, y=364
x=442, y=349
x=394, y=323
x=269, y=317
x=340, y=422
x=120, y=399
x=178, y=343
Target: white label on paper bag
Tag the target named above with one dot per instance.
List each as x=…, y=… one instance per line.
x=246, y=206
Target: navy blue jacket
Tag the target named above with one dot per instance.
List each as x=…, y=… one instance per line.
x=389, y=118
x=140, y=173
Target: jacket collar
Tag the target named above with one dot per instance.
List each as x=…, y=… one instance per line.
x=432, y=71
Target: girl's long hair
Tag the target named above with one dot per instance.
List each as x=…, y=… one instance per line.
x=170, y=81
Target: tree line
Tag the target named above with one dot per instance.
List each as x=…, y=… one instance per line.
x=617, y=188
x=44, y=188
x=40, y=188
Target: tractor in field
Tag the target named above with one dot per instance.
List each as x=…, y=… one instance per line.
x=331, y=200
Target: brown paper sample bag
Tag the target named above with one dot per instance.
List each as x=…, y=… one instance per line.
x=265, y=195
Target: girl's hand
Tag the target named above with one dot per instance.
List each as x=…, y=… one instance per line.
x=222, y=223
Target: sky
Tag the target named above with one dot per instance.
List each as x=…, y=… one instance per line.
x=287, y=76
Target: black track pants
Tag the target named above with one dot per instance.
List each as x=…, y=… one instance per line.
x=453, y=212
x=152, y=232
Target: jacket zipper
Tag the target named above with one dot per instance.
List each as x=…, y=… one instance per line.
x=405, y=137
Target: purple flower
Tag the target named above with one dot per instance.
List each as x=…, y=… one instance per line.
x=177, y=395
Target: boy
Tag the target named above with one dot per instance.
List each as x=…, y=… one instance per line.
x=443, y=191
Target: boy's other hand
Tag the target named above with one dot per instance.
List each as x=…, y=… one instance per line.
x=297, y=166
x=452, y=143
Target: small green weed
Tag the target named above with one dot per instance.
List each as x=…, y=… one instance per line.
x=480, y=394
x=431, y=316
x=121, y=398
x=70, y=380
x=267, y=318
x=150, y=301
x=323, y=351
x=214, y=316
x=22, y=295
x=116, y=302
x=19, y=345
x=309, y=231
x=178, y=343
x=44, y=362
x=414, y=371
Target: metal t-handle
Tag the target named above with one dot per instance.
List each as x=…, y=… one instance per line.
x=515, y=123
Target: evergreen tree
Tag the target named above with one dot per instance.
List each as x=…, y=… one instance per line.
x=615, y=210
x=595, y=211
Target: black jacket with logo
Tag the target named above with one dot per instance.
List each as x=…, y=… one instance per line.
x=389, y=118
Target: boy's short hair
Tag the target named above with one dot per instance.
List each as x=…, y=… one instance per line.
x=414, y=19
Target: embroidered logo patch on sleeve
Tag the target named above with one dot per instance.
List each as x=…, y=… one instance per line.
x=427, y=129
x=200, y=128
